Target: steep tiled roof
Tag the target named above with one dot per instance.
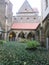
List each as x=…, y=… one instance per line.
x=26, y=8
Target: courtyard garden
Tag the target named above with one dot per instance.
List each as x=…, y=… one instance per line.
x=22, y=53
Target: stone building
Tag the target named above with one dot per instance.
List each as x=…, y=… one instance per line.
x=5, y=15
x=45, y=22
x=26, y=14
x=26, y=22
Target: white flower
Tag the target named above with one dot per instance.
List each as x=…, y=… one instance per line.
x=24, y=63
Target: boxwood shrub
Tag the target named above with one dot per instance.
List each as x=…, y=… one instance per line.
x=2, y=41
x=32, y=44
x=23, y=40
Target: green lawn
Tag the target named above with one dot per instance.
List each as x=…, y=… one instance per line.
x=14, y=53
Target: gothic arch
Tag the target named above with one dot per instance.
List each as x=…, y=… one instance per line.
x=21, y=35
x=12, y=36
x=31, y=35
x=47, y=39
x=47, y=33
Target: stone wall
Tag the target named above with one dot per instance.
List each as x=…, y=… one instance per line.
x=26, y=32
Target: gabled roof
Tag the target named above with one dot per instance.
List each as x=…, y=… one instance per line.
x=25, y=7
x=25, y=26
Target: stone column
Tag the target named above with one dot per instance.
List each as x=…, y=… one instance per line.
x=25, y=35
x=16, y=36
x=40, y=35
x=6, y=19
x=47, y=43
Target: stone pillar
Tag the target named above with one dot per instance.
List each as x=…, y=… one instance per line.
x=26, y=35
x=36, y=37
x=40, y=36
x=47, y=43
x=6, y=20
x=16, y=36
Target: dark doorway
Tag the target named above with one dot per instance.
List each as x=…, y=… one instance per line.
x=31, y=36
x=47, y=39
x=21, y=35
x=0, y=36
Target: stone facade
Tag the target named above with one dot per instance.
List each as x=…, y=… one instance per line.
x=28, y=34
x=45, y=22
x=2, y=13
x=5, y=15
x=10, y=14
x=26, y=14
x=45, y=8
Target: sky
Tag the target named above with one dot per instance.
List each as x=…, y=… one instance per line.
x=33, y=3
